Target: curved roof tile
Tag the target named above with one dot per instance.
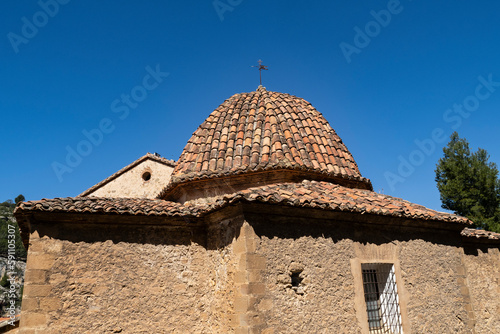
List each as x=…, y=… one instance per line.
x=263, y=130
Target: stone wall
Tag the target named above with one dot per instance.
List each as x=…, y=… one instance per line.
x=261, y=270
x=482, y=268
x=164, y=282
x=325, y=253
x=436, y=298
x=131, y=184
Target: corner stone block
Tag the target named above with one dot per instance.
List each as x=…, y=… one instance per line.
x=253, y=288
x=464, y=290
x=31, y=291
x=35, y=276
x=36, y=246
x=241, y=304
x=251, y=244
x=30, y=319
x=30, y=304
x=26, y=331
x=254, y=319
x=242, y=330
x=461, y=271
x=255, y=275
x=239, y=246
x=52, y=246
x=41, y=261
x=255, y=261
x=240, y=277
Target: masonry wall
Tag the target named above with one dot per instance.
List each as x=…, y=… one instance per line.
x=328, y=253
x=94, y=279
x=132, y=185
x=233, y=275
x=482, y=268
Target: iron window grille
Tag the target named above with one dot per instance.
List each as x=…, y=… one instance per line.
x=381, y=297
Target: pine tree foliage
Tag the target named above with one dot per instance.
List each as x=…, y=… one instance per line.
x=6, y=219
x=469, y=184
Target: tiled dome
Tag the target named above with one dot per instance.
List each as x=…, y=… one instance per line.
x=266, y=131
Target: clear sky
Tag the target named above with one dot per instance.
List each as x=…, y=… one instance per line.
x=393, y=78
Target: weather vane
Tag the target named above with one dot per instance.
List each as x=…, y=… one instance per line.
x=261, y=67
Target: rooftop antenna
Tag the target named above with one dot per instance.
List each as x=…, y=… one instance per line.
x=261, y=67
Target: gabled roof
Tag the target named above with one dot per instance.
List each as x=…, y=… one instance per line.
x=150, y=156
x=263, y=130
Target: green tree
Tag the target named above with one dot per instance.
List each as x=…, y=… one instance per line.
x=6, y=219
x=3, y=281
x=469, y=184
x=19, y=199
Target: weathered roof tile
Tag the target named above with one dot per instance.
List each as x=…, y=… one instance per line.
x=278, y=126
x=308, y=194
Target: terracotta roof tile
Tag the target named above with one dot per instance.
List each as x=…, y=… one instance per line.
x=276, y=126
x=480, y=234
x=307, y=194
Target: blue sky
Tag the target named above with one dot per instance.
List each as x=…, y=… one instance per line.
x=393, y=78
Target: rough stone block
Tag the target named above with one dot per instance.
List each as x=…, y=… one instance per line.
x=30, y=304
x=30, y=319
x=255, y=261
x=251, y=244
x=240, y=277
x=242, y=330
x=27, y=331
x=40, y=261
x=234, y=320
x=241, y=304
x=52, y=246
x=35, y=276
x=461, y=270
x=239, y=247
x=243, y=320
x=254, y=319
x=37, y=290
x=255, y=275
x=253, y=288
x=36, y=246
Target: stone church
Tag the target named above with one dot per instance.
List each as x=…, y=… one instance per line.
x=263, y=225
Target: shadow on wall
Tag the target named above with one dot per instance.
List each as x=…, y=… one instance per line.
x=219, y=229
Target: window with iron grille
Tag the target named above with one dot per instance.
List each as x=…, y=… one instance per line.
x=381, y=297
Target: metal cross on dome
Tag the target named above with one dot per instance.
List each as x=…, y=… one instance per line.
x=261, y=67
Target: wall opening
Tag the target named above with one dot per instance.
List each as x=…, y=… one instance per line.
x=381, y=298
x=146, y=176
x=296, y=279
